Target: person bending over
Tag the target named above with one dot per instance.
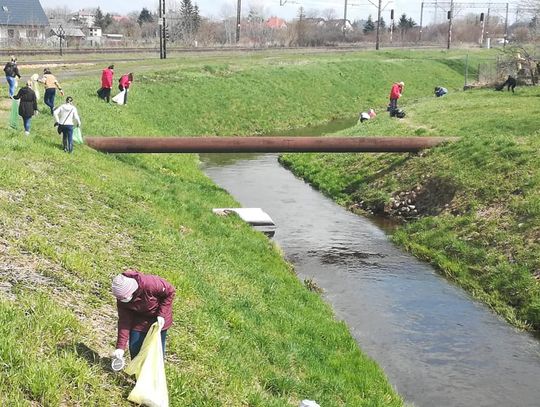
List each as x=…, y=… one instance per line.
x=141, y=300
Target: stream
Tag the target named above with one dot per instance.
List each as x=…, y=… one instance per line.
x=438, y=347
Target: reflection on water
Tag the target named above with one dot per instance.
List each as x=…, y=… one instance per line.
x=437, y=346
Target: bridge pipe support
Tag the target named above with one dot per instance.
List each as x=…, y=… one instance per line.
x=264, y=144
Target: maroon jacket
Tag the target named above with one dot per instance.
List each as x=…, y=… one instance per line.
x=107, y=78
x=152, y=299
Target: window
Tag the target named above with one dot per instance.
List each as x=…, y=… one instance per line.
x=31, y=33
x=11, y=33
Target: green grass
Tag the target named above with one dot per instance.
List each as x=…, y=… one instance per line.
x=487, y=237
x=247, y=332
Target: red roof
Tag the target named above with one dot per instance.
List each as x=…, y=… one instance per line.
x=276, y=23
x=119, y=19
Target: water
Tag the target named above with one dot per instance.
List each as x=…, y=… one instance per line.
x=437, y=346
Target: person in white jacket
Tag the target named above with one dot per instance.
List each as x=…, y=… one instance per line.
x=66, y=116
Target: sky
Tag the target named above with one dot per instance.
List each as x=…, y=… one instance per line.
x=358, y=9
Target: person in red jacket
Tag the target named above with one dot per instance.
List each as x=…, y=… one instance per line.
x=124, y=84
x=106, y=83
x=142, y=299
x=395, y=94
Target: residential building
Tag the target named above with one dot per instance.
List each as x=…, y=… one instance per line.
x=22, y=21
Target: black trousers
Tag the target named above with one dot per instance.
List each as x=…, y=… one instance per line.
x=125, y=94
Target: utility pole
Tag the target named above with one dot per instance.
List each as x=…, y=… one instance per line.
x=392, y=26
x=482, y=22
x=506, y=27
x=238, y=16
x=61, y=35
x=345, y=20
x=421, y=22
x=162, y=31
x=378, y=26
x=160, y=28
x=450, y=19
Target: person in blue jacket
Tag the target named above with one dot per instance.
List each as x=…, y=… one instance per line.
x=440, y=91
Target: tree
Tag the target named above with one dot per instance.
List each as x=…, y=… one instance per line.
x=369, y=26
x=382, y=23
x=99, y=19
x=254, y=16
x=403, y=23
x=406, y=23
x=196, y=18
x=300, y=27
x=145, y=17
x=107, y=21
x=189, y=21
x=329, y=14
x=59, y=13
x=301, y=13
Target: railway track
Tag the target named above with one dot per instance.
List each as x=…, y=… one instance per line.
x=155, y=50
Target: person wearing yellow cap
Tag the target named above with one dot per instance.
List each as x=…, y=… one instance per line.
x=142, y=299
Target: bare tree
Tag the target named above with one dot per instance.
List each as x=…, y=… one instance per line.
x=329, y=14
x=58, y=13
x=524, y=61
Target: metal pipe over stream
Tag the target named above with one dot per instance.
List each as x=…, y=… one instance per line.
x=264, y=144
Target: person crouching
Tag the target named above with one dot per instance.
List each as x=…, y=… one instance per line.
x=66, y=116
x=142, y=299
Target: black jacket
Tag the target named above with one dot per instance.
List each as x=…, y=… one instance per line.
x=28, y=102
x=11, y=69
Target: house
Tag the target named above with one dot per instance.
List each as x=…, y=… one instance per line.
x=276, y=23
x=120, y=19
x=339, y=24
x=314, y=21
x=86, y=17
x=94, y=35
x=22, y=20
x=71, y=35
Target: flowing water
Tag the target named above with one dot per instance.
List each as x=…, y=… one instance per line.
x=438, y=347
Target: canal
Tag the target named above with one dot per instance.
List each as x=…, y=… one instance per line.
x=438, y=346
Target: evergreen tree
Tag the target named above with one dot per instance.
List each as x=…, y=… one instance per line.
x=145, y=17
x=533, y=24
x=369, y=26
x=382, y=23
x=107, y=21
x=403, y=23
x=254, y=16
x=196, y=18
x=99, y=18
x=190, y=20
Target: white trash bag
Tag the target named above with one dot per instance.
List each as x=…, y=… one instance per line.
x=120, y=98
x=149, y=369
x=35, y=81
x=308, y=403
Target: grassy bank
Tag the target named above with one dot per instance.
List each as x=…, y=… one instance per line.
x=474, y=205
x=247, y=332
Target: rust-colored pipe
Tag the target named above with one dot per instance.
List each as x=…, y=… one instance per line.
x=264, y=144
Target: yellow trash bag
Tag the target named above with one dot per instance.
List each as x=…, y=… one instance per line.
x=149, y=369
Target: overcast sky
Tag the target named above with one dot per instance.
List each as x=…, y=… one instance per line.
x=358, y=9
